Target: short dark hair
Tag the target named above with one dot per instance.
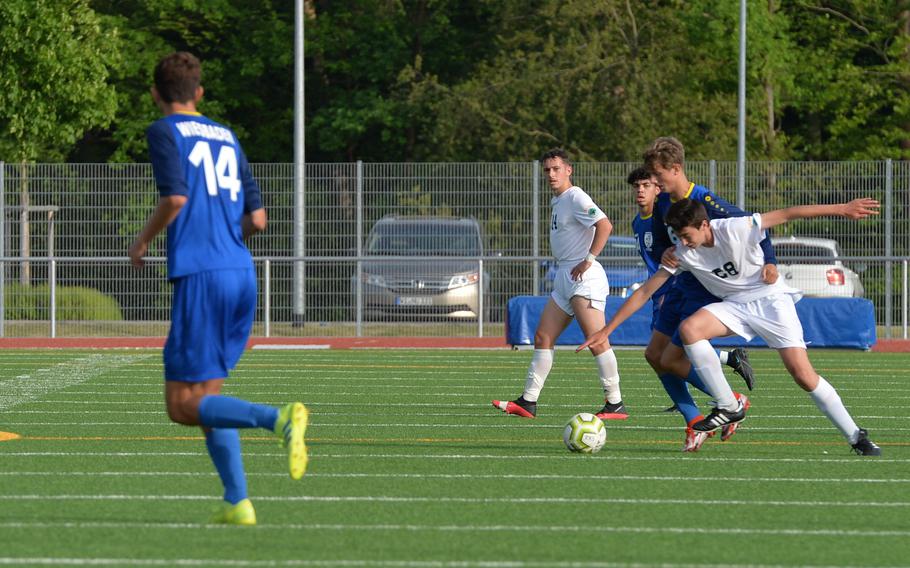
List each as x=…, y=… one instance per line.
x=556, y=153
x=665, y=151
x=177, y=76
x=686, y=213
x=638, y=174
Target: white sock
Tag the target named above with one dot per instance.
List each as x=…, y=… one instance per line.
x=609, y=376
x=707, y=365
x=540, y=366
x=724, y=356
x=828, y=401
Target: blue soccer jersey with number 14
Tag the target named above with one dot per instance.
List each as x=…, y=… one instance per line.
x=202, y=160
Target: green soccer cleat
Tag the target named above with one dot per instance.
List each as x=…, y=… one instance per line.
x=291, y=428
x=240, y=514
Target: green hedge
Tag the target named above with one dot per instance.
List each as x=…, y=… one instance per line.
x=73, y=303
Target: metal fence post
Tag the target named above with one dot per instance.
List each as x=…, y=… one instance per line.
x=480, y=283
x=535, y=223
x=358, y=316
x=52, y=281
x=2, y=249
x=267, y=308
x=904, y=299
x=889, y=244
x=712, y=176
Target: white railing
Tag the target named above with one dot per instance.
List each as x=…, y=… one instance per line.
x=144, y=297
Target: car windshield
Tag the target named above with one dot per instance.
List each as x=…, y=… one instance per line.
x=803, y=253
x=424, y=239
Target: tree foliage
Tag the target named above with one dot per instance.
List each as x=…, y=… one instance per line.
x=436, y=80
x=55, y=58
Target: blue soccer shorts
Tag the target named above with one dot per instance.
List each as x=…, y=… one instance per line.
x=679, y=304
x=211, y=318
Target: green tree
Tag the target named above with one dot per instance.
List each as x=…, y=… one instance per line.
x=247, y=52
x=54, y=62
x=374, y=68
x=852, y=96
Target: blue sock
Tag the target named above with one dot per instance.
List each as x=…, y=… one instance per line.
x=216, y=411
x=694, y=380
x=679, y=394
x=224, y=448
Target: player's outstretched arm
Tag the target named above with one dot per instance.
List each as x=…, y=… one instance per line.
x=632, y=304
x=856, y=209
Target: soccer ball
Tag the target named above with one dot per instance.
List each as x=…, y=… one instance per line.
x=585, y=433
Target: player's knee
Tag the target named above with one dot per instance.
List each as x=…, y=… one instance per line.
x=689, y=332
x=176, y=413
x=543, y=340
x=670, y=361
x=652, y=356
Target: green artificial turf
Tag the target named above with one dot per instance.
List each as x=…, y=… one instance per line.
x=412, y=467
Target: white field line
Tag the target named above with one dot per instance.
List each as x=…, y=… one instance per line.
x=481, y=529
x=433, y=386
x=40, y=382
x=351, y=563
x=465, y=500
x=655, y=395
x=671, y=478
x=848, y=459
x=651, y=414
x=488, y=426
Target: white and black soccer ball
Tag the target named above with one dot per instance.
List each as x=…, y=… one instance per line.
x=585, y=433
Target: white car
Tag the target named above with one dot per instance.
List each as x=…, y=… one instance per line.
x=813, y=265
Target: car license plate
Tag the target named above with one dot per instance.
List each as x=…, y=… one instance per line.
x=414, y=301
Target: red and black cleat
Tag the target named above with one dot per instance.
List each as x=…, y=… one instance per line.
x=613, y=412
x=518, y=407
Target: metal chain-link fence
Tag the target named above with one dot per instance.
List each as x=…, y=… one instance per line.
x=402, y=248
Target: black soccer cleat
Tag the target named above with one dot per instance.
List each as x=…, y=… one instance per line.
x=517, y=407
x=720, y=417
x=864, y=446
x=738, y=360
x=613, y=411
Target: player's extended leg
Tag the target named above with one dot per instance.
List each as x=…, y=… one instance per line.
x=696, y=331
x=223, y=445
x=552, y=323
x=591, y=319
x=826, y=399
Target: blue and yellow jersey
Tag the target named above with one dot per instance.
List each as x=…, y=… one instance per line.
x=202, y=160
x=717, y=208
x=643, y=227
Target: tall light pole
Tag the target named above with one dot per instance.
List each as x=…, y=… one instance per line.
x=299, y=291
x=741, y=131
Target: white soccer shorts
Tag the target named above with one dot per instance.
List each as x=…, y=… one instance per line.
x=773, y=318
x=592, y=285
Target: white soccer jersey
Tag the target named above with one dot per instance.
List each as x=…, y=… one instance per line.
x=731, y=269
x=572, y=224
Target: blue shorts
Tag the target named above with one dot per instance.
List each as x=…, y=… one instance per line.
x=679, y=304
x=211, y=318
x=656, y=303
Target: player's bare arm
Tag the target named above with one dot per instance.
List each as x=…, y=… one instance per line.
x=668, y=258
x=632, y=304
x=254, y=222
x=602, y=230
x=166, y=211
x=856, y=209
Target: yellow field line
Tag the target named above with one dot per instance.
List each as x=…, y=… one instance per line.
x=4, y=436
